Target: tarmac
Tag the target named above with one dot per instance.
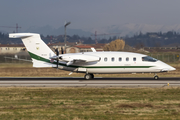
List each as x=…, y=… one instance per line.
x=81, y=82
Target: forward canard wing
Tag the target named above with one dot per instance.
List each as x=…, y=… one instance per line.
x=76, y=58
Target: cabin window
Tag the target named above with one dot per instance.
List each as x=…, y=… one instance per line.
x=120, y=59
x=134, y=59
x=127, y=59
x=149, y=59
x=105, y=59
x=112, y=59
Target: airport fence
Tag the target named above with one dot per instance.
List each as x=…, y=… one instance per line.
x=15, y=58
x=168, y=58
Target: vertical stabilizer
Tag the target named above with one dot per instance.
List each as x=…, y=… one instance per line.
x=38, y=50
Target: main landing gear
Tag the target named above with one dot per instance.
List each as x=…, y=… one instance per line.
x=156, y=77
x=89, y=76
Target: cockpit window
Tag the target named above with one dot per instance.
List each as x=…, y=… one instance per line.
x=149, y=59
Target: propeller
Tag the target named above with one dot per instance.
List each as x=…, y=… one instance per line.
x=57, y=54
x=62, y=51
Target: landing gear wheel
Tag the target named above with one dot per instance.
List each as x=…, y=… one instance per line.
x=156, y=77
x=89, y=76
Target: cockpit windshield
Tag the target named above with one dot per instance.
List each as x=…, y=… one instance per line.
x=149, y=59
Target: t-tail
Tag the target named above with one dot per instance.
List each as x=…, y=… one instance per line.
x=37, y=49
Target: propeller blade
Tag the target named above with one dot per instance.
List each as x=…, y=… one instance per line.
x=57, y=53
x=62, y=51
x=57, y=63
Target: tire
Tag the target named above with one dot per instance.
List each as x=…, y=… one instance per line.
x=88, y=76
x=156, y=77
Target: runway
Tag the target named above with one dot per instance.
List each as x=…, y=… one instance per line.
x=81, y=82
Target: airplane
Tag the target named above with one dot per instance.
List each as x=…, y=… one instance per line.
x=90, y=63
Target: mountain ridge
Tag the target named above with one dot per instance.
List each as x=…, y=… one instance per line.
x=127, y=29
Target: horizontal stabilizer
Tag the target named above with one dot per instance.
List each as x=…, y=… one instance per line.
x=19, y=35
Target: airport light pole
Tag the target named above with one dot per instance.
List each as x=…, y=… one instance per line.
x=66, y=24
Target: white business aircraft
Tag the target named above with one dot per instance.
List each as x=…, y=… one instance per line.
x=90, y=62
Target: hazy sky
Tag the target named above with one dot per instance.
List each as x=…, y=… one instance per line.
x=88, y=14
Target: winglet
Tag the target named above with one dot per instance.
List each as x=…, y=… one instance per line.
x=93, y=49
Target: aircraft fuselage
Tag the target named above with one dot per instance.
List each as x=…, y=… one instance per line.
x=117, y=62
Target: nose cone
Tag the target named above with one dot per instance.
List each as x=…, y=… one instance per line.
x=165, y=67
x=172, y=68
x=169, y=68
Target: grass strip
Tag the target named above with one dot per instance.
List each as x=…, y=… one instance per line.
x=89, y=103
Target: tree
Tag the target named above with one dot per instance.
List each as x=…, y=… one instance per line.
x=116, y=45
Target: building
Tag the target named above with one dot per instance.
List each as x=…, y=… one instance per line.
x=11, y=49
x=70, y=48
x=84, y=48
x=61, y=46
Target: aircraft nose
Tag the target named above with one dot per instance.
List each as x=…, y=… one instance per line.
x=165, y=67
x=172, y=68
x=169, y=68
